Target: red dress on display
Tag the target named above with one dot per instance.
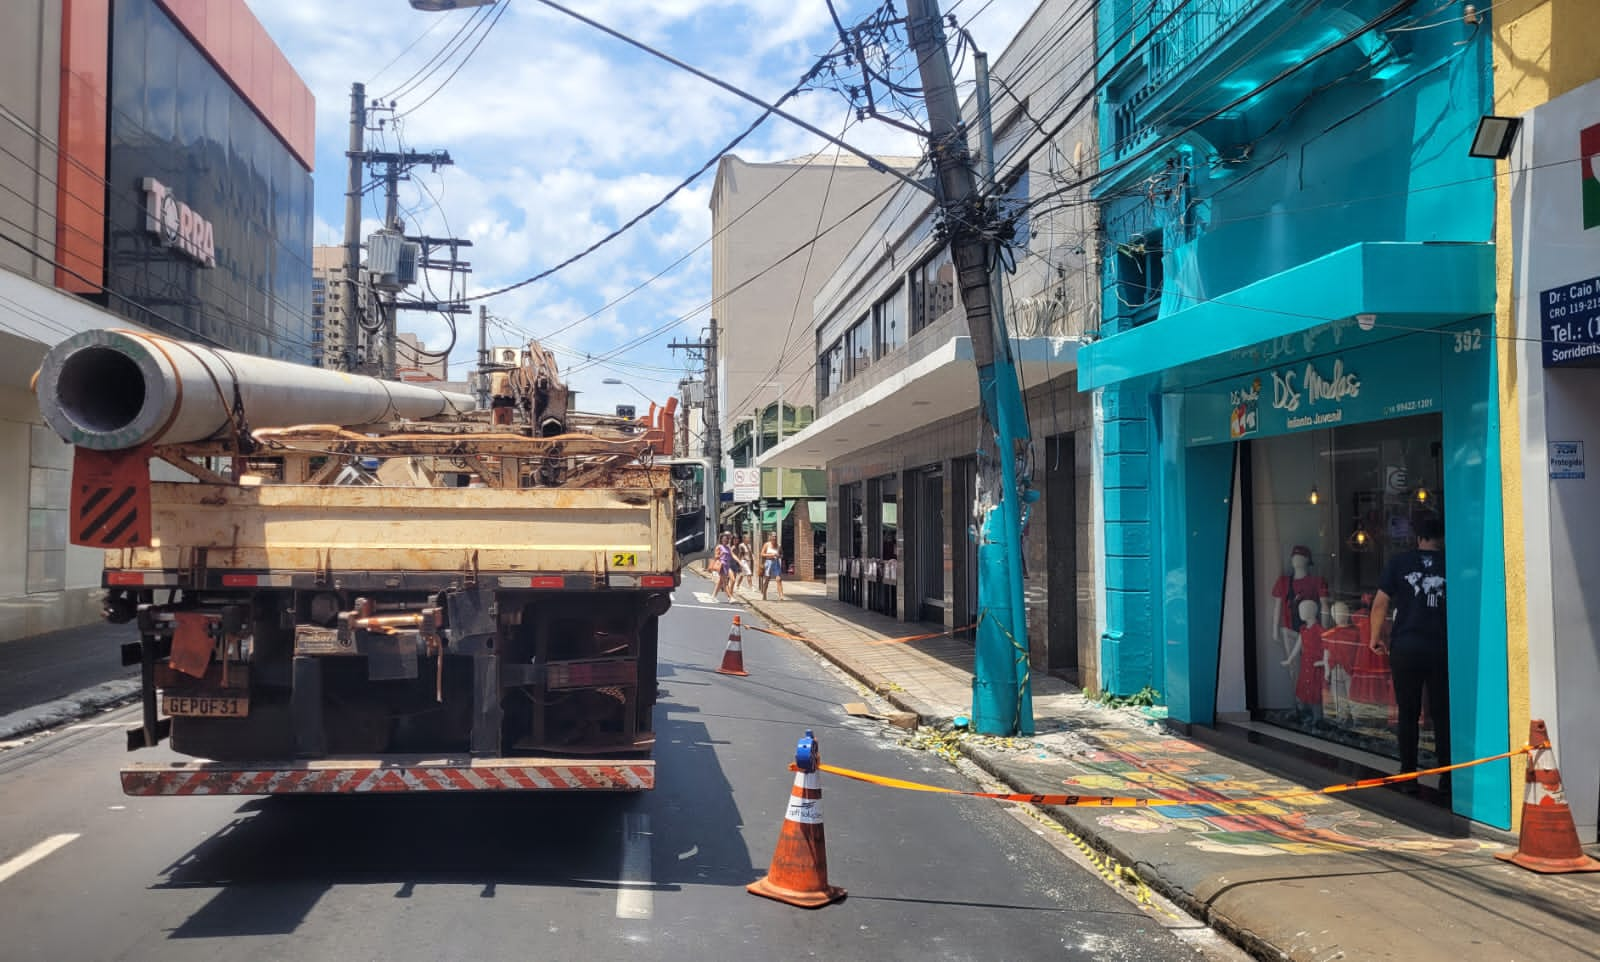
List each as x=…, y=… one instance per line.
x=1309, y=683
x=1343, y=643
x=1311, y=586
x=1370, y=681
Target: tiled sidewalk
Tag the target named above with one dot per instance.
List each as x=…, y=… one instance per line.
x=1313, y=878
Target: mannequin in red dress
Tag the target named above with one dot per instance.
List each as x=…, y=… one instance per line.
x=1294, y=586
x=1312, y=656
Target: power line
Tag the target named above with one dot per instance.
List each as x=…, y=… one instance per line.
x=434, y=63
x=435, y=25
x=798, y=169
x=635, y=219
x=1261, y=88
x=658, y=331
x=500, y=12
x=736, y=91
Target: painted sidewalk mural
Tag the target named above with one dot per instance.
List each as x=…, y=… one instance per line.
x=1171, y=768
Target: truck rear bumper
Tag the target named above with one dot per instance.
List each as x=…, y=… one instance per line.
x=344, y=776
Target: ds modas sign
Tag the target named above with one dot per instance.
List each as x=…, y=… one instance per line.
x=177, y=225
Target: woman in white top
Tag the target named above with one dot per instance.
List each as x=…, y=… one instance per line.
x=771, y=566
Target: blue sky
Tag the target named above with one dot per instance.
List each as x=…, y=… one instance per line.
x=560, y=133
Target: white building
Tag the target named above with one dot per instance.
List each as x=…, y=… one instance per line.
x=779, y=232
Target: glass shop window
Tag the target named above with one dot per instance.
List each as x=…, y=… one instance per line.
x=1329, y=509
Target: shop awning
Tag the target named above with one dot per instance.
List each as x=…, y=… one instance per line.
x=775, y=515
x=1405, y=286
x=819, y=513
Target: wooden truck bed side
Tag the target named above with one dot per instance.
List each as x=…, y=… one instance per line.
x=287, y=528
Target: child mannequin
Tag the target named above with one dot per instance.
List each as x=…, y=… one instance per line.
x=1343, y=643
x=1296, y=585
x=1312, y=657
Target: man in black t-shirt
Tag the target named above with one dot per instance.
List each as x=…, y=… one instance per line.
x=1413, y=585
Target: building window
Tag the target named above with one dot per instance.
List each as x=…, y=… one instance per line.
x=889, y=322
x=858, y=347
x=1139, y=278
x=933, y=289
x=1014, y=207
x=830, y=369
x=1328, y=509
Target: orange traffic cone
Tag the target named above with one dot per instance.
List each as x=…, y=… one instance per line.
x=799, y=872
x=1549, y=839
x=733, y=655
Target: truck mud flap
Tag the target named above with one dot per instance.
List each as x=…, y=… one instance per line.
x=373, y=776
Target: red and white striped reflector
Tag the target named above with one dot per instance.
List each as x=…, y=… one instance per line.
x=140, y=579
x=369, y=776
x=257, y=581
x=540, y=581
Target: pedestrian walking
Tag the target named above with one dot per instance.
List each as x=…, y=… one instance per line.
x=745, y=558
x=1412, y=587
x=771, y=566
x=724, y=563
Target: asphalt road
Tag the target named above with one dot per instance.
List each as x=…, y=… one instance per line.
x=87, y=874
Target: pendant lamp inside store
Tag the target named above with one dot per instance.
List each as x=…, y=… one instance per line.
x=1315, y=497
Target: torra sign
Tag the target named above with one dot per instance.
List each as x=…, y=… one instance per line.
x=177, y=224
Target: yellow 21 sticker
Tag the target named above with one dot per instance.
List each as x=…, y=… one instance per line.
x=624, y=559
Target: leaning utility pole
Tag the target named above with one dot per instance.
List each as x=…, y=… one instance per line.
x=1002, y=703
x=352, y=229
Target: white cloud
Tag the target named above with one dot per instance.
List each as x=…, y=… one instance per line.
x=560, y=134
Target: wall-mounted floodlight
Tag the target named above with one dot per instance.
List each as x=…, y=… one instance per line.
x=1494, y=137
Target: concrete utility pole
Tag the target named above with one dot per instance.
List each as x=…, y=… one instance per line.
x=397, y=167
x=386, y=311
x=707, y=349
x=1002, y=703
x=483, y=357
x=352, y=229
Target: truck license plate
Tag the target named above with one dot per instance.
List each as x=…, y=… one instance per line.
x=206, y=706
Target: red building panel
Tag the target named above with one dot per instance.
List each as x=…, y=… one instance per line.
x=81, y=159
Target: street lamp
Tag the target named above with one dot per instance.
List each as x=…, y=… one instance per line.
x=619, y=381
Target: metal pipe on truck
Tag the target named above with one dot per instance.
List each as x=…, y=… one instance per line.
x=115, y=389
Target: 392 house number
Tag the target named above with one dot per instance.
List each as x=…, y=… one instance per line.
x=1468, y=340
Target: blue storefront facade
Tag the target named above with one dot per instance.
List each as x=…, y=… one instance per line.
x=1296, y=365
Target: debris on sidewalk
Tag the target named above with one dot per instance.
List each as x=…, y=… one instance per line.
x=899, y=719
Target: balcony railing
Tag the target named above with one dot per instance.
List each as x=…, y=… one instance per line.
x=1187, y=37
x=1193, y=35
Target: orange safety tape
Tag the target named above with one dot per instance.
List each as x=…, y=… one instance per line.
x=922, y=637
x=1125, y=801
x=776, y=633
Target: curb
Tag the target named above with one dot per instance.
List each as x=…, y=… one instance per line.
x=879, y=685
x=1235, y=932
x=28, y=721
